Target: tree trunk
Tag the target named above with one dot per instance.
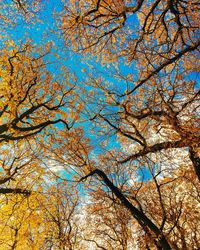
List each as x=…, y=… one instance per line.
x=137, y=214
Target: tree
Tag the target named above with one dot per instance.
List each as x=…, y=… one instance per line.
x=162, y=206
x=156, y=112
x=160, y=119
x=21, y=217
x=140, y=168
x=30, y=101
x=112, y=226
x=60, y=209
x=133, y=28
x=165, y=34
x=46, y=219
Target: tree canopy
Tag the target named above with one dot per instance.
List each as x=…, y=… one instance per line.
x=99, y=124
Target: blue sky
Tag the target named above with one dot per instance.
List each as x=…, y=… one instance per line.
x=40, y=32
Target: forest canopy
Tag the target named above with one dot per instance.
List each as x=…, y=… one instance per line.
x=99, y=125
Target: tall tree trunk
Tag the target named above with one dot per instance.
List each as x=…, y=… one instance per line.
x=137, y=214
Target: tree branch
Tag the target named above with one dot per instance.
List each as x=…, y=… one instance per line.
x=136, y=213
